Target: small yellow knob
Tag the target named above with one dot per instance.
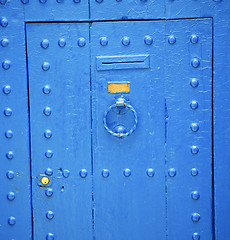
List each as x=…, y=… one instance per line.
x=45, y=180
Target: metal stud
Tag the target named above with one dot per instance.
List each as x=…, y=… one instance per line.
x=49, y=172
x=104, y=41
x=194, y=82
x=127, y=172
x=3, y=22
x=50, y=236
x=42, y=1
x=10, y=174
x=50, y=215
x=49, y=154
x=11, y=220
x=194, y=127
x=125, y=41
x=48, y=133
x=6, y=64
x=148, y=40
x=196, y=236
x=194, y=172
x=4, y=42
x=99, y=1
x=11, y=196
x=194, y=105
x=45, y=43
x=45, y=66
x=195, y=217
x=25, y=1
x=47, y=111
x=195, y=62
x=10, y=155
x=62, y=42
x=105, y=173
x=8, y=112
x=194, y=149
x=3, y=2
x=194, y=39
x=76, y=1
x=9, y=134
x=7, y=89
x=66, y=173
x=49, y=192
x=150, y=172
x=171, y=39
x=81, y=42
x=172, y=172
x=83, y=173
x=46, y=89
x=195, y=195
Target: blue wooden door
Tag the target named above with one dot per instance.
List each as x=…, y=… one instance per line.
x=121, y=129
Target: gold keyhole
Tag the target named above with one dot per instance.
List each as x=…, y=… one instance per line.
x=45, y=180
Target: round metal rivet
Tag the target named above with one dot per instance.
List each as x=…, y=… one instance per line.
x=83, y=173
x=195, y=195
x=194, y=105
x=50, y=236
x=25, y=1
x=49, y=172
x=4, y=42
x=194, y=82
x=45, y=66
x=195, y=217
x=9, y=134
x=105, y=173
x=195, y=62
x=196, y=236
x=3, y=22
x=194, y=149
x=194, y=172
x=8, y=112
x=45, y=180
x=99, y=1
x=194, y=127
x=46, y=89
x=47, y=111
x=50, y=215
x=194, y=39
x=62, y=42
x=81, y=42
x=45, y=43
x=49, y=154
x=171, y=39
x=148, y=40
x=10, y=155
x=65, y=173
x=127, y=172
x=11, y=196
x=10, y=174
x=172, y=172
x=12, y=220
x=76, y=1
x=125, y=41
x=104, y=41
x=49, y=192
x=43, y=1
x=3, y=2
x=150, y=172
x=48, y=133
x=6, y=64
x=6, y=89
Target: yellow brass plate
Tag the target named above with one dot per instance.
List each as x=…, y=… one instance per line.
x=45, y=180
x=118, y=87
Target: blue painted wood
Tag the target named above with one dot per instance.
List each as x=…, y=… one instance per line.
x=68, y=79
x=14, y=127
x=188, y=147
x=129, y=207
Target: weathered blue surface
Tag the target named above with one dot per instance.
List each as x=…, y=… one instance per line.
x=170, y=65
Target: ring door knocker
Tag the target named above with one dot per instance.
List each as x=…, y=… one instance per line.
x=120, y=131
